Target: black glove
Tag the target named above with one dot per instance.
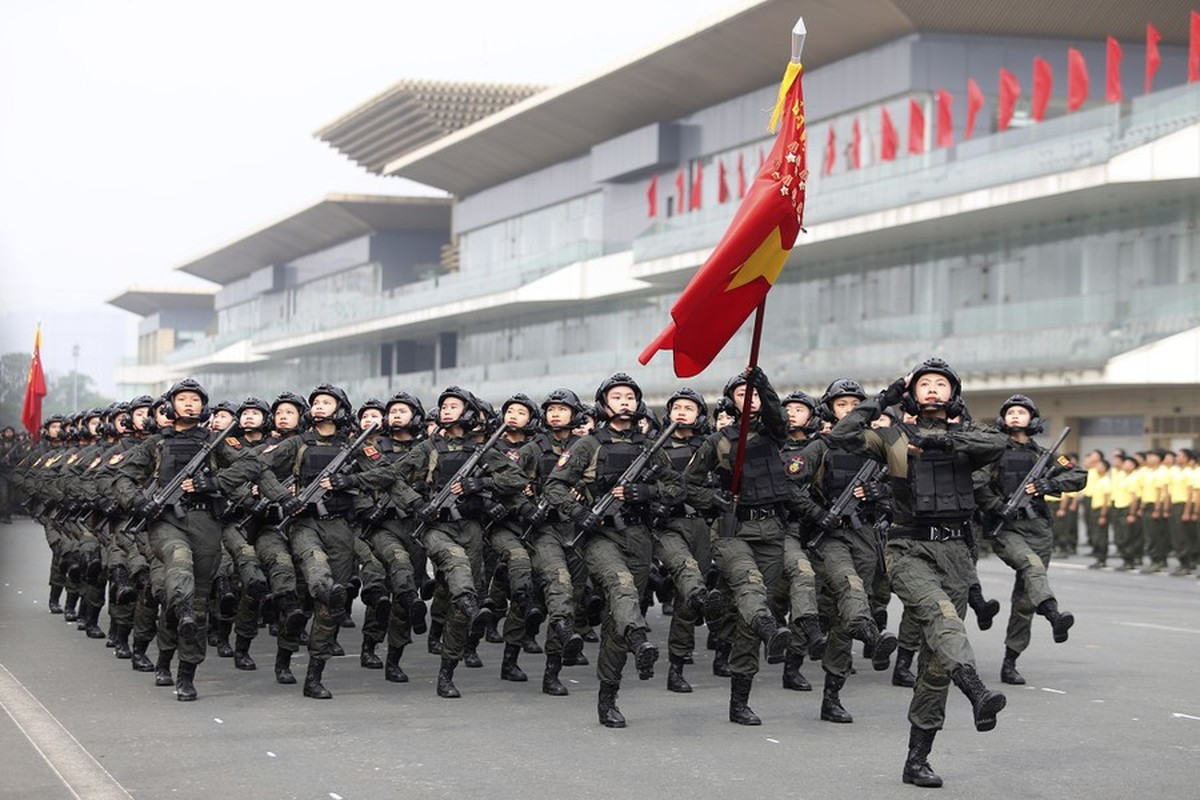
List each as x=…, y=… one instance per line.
x=144, y=506
x=533, y=515
x=756, y=378
x=874, y=491
x=1044, y=486
x=585, y=521
x=494, y=511
x=722, y=500
x=107, y=506
x=475, y=485
x=1008, y=513
x=374, y=516
x=933, y=443
x=427, y=513
x=227, y=511
x=892, y=394
x=203, y=483
x=830, y=521
x=291, y=506
x=641, y=493
x=340, y=483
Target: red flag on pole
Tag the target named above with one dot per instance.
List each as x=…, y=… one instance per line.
x=722, y=182
x=750, y=256
x=945, y=119
x=697, y=197
x=1077, y=79
x=679, y=187
x=830, y=152
x=1112, y=72
x=35, y=390
x=1043, y=83
x=1153, y=58
x=890, y=138
x=741, y=177
x=855, y=146
x=974, y=104
x=1194, y=49
x=1010, y=90
x=916, y=128
x=652, y=198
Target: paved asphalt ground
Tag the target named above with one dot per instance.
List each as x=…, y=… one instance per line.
x=1113, y=713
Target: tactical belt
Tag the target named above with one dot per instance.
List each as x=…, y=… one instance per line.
x=749, y=513
x=928, y=533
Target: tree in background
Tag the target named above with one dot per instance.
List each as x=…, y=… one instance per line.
x=14, y=371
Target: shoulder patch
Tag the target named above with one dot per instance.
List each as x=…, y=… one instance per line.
x=514, y=455
x=564, y=458
x=233, y=442
x=370, y=452
x=270, y=447
x=117, y=458
x=1065, y=462
x=95, y=461
x=73, y=458
x=795, y=465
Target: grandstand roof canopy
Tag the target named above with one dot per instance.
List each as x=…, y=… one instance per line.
x=145, y=301
x=740, y=52
x=333, y=220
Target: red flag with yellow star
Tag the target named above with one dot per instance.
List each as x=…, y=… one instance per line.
x=35, y=390
x=747, y=261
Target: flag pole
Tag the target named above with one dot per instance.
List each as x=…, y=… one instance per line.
x=799, y=33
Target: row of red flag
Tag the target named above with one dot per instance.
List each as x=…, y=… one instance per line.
x=1078, y=89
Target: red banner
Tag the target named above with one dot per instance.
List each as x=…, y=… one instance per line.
x=741, y=177
x=945, y=119
x=974, y=105
x=916, y=128
x=1153, y=58
x=652, y=198
x=1194, y=49
x=1043, y=83
x=697, y=188
x=1010, y=90
x=855, y=146
x=722, y=183
x=1112, y=72
x=35, y=390
x=681, y=203
x=1077, y=79
x=750, y=256
x=830, y=152
x=890, y=138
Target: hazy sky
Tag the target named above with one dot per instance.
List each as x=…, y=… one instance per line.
x=136, y=135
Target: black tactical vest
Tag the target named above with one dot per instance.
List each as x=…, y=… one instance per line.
x=680, y=452
x=547, y=457
x=614, y=457
x=1014, y=466
x=764, y=478
x=938, y=489
x=174, y=454
x=449, y=461
x=840, y=469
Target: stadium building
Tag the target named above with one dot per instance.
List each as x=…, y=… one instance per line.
x=1058, y=257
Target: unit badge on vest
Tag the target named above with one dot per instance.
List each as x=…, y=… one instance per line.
x=370, y=452
x=116, y=459
x=233, y=442
x=564, y=458
x=795, y=465
x=1065, y=462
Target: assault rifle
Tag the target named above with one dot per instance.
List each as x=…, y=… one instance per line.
x=314, y=493
x=445, y=499
x=251, y=522
x=1019, y=500
x=171, y=495
x=847, y=504
x=604, y=506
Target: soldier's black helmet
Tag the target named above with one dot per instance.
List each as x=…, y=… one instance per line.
x=1035, y=425
x=804, y=399
x=687, y=393
x=954, y=407
x=842, y=387
x=417, y=424
x=522, y=399
x=188, y=385
x=567, y=398
x=258, y=404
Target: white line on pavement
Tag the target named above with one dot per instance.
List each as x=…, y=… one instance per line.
x=1177, y=715
x=82, y=774
x=1158, y=627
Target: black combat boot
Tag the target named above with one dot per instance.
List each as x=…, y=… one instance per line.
x=739, y=695
x=224, y=628
x=551, y=685
x=312, y=681
x=414, y=608
x=241, y=655
x=572, y=642
x=720, y=666
x=291, y=616
x=776, y=637
x=902, y=674
x=185, y=622
x=916, y=767
x=54, y=604
x=225, y=597
x=985, y=610
x=529, y=644
x=381, y=603
x=81, y=616
x=140, y=661
x=831, y=703
x=121, y=642
x=984, y=701
x=162, y=670
x=478, y=619
x=644, y=653
x=714, y=606
x=69, y=614
x=367, y=658
x=391, y=667
x=509, y=671
x=445, y=679
x=885, y=645
x=95, y=566
x=434, y=641
x=675, y=680
x=283, y=667
x=92, y=623
x=811, y=626
x=471, y=659
x=792, y=677
x=1008, y=668
x=606, y=706
x=334, y=598
x=1060, y=621
x=124, y=592
x=185, y=690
